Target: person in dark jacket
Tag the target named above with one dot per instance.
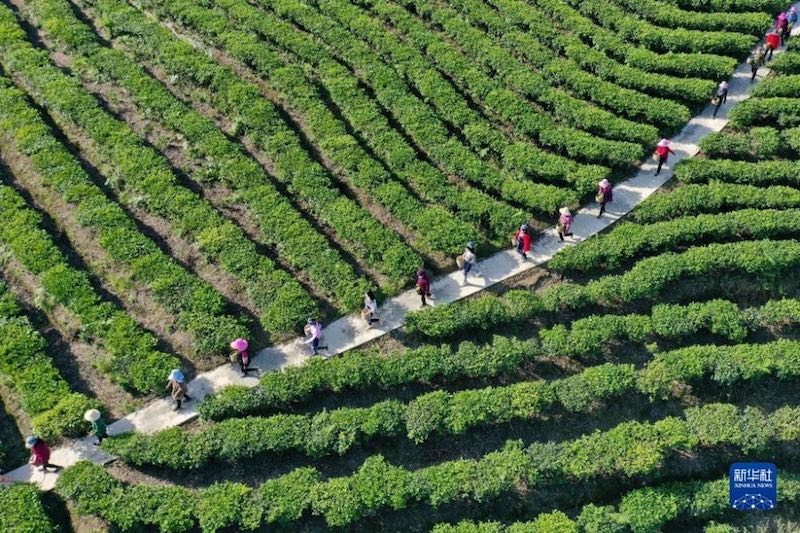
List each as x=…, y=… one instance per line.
x=423, y=286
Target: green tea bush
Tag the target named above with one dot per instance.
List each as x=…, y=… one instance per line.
x=753, y=144
x=355, y=371
x=22, y=511
x=713, y=197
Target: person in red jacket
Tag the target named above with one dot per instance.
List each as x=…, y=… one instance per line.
x=40, y=454
x=662, y=151
x=423, y=285
x=522, y=240
x=773, y=42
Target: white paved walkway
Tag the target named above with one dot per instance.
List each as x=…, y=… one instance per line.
x=350, y=332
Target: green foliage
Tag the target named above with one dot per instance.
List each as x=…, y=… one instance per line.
x=44, y=395
x=661, y=39
x=149, y=183
x=258, y=118
x=355, y=371
x=753, y=144
x=633, y=450
x=626, y=242
x=21, y=510
x=713, y=197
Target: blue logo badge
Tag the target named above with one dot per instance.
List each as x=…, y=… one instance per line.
x=754, y=486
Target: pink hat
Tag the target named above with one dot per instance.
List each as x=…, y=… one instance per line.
x=605, y=183
x=239, y=345
x=664, y=142
x=794, y=9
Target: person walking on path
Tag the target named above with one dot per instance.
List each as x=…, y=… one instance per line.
x=468, y=260
x=522, y=241
x=564, y=223
x=370, y=311
x=423, y=286
x=604, y=195
x=773, y=42
x=662, y=151
x=176, y=384
x=720, y=96
x=99, y=430
x=40, y=454
x=781, y=23
x=756, y=61
x=791, y=20
x=241, y=356
x=314, y=330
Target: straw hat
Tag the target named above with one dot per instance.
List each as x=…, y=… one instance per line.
x=239, y=345
x=564, y=211
x=664, y=142
x=92, y=415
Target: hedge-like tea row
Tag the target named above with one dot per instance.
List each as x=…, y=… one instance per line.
x=44, y=395
x=645, y=510
x=784, y=112
x=330, y=134
x=590, y=337
x=629, y=450
x=780, y=172
x=644, y=281
x=510, y=107
x=280, y=224
x=357, y=371
x=752, y=144
x=778, y=86
x=263, y=123
x=194, y=302
x=625, y=102
x=454, y=413
x=661, y=13
x=628, y=241
x=133, y=360
x=499, y=64
x=517, y=157
x=788, y=62
x=22, y=511
x=555, y=34
x=365, y=115
x=730, y=6
x=702, y=65
x=232, y=440
x=658, y=39
x=430, y=132
x=714, y=197
x=149, y=182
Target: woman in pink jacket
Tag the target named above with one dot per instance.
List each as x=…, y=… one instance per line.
x=564, y=223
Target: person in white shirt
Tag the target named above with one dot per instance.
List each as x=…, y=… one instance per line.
x=470, y=259
x=721, y=96
x=370, y=308
x=314, y=329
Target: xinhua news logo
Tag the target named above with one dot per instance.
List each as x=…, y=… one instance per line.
x=754, y=486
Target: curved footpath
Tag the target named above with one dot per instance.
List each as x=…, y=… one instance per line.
x=351, y=331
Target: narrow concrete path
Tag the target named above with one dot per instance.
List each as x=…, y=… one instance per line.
x=350, y=332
